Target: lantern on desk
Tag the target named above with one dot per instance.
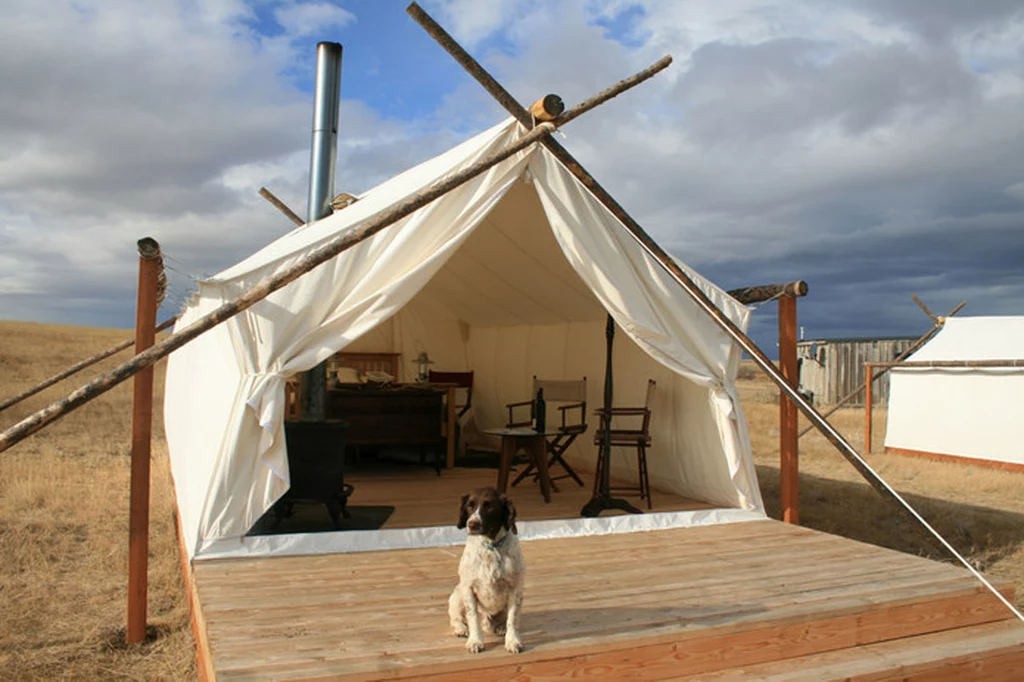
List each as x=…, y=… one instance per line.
x=423, y=363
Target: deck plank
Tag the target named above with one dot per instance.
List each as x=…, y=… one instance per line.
x=992, y=651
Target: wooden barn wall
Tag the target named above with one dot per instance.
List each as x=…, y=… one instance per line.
x=831, y=370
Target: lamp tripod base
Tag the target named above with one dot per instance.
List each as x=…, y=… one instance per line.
x=600, y=502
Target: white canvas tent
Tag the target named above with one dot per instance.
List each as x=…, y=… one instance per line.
x=962, y=412
x=510, y=275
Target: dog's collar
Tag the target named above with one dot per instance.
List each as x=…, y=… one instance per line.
x=496, y=545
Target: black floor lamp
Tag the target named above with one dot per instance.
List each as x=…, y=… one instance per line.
x=602, y=498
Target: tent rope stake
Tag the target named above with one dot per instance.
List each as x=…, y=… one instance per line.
x=694, y=292
x=258, y=292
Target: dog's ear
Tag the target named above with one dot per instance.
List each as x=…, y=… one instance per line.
x=510, y=514
x=463, y=514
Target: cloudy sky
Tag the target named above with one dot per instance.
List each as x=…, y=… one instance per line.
x=874, y=148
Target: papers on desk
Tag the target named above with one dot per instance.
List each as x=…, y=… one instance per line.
x=516, y=431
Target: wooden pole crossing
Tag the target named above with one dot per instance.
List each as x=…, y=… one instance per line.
x=695, y=292
x=652, y=248
x=766, y=292
x=73, y=369
x=789, y=440
x=150, y=269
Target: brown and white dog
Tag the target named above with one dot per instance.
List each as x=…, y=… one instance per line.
x=491, y=572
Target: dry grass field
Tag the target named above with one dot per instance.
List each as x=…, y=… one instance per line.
x=64, y=515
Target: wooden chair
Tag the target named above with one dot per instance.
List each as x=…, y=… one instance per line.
x=463, y=382
x=639, y=438
x=570, y=398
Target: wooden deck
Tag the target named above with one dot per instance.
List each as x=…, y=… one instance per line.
x=760, y=599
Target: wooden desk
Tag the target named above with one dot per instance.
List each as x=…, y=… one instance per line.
x=400, y=415
x=515, y=439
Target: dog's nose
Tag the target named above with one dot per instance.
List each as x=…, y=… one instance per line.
x=474, y=526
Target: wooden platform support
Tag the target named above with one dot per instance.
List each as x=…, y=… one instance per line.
x=789, y=441
x=150, y=271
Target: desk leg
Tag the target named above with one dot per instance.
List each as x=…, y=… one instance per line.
x=507, y=452
x=450, y=455
x=539, y=449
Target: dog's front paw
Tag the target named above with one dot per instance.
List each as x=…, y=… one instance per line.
x=474, y=646
x=512, y=644
x=460, y=630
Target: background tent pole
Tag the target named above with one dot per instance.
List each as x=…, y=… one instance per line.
x=869, y=369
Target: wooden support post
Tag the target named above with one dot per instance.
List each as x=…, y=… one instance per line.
x=788, y=416
x=868, y=379
x=150, y=268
